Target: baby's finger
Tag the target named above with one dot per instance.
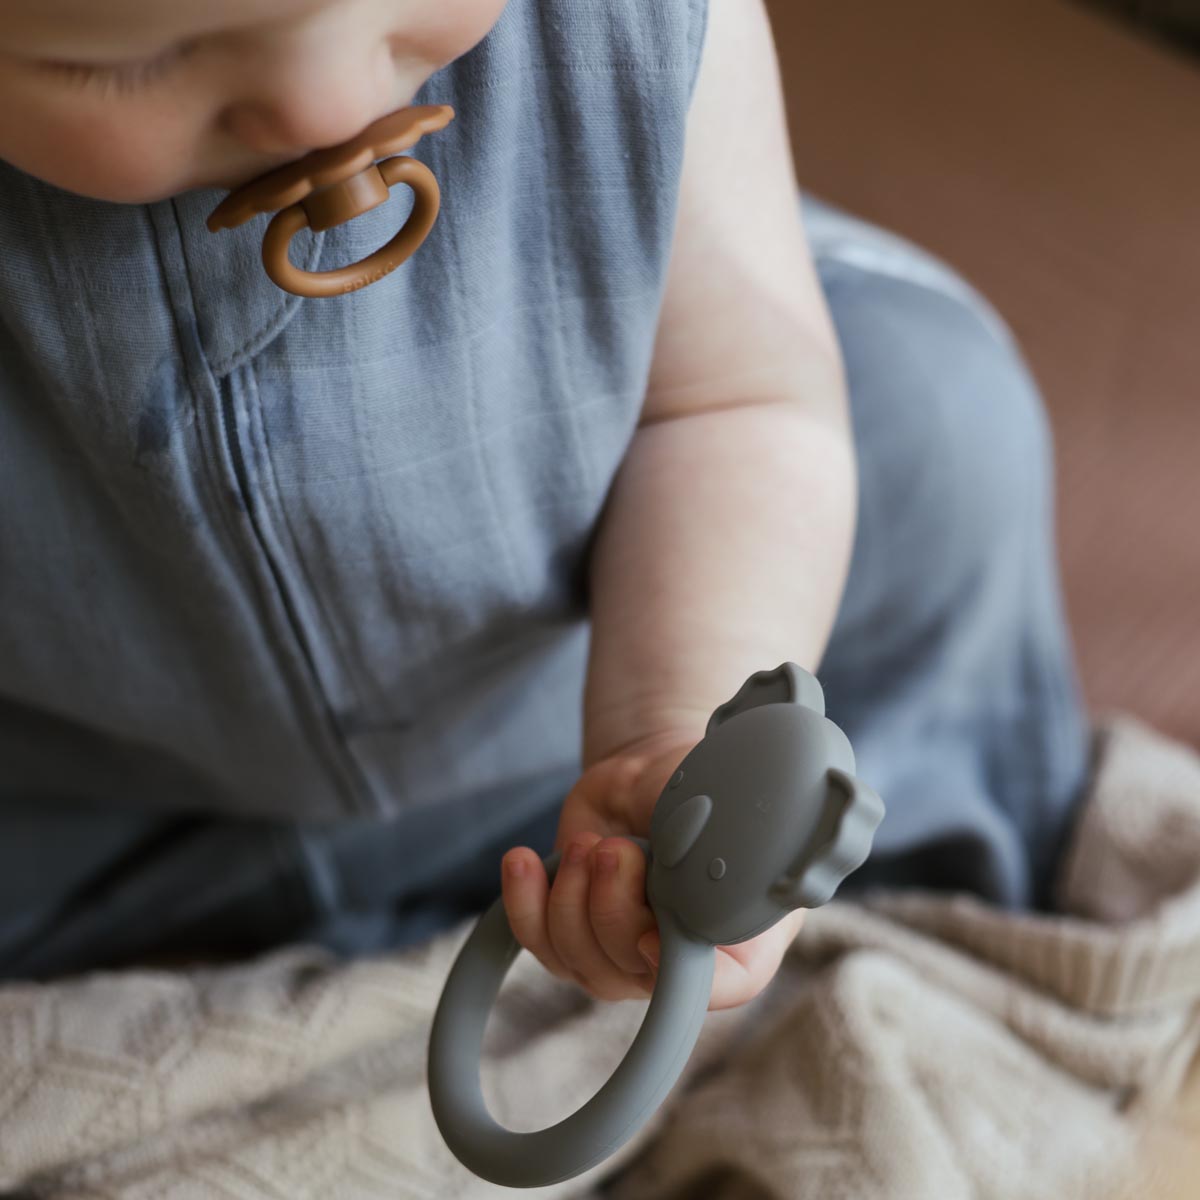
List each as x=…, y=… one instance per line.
x=617, y=902
x=525, y=888
x=570, y=926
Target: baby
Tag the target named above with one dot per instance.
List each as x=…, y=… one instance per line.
x=300, y=598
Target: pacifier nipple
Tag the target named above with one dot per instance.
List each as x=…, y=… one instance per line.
x=332, y=186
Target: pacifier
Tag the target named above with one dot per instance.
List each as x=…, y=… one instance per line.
x=331, y=186
x=762, y=817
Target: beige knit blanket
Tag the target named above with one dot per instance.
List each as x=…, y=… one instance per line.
x=912, y=1048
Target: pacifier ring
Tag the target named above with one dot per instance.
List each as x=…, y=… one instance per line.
x=340, y=280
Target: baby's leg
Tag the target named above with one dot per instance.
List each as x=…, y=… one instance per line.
x=950, y=666
x=89, y=884
x=92, y=884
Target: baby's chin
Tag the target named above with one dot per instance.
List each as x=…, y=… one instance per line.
x=142, y=185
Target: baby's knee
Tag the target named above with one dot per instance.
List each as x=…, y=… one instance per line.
x=954, y=448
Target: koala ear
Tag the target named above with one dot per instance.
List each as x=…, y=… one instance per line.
x=787, y=684
x=840, y=845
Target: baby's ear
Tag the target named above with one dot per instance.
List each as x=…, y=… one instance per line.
x=787, y=684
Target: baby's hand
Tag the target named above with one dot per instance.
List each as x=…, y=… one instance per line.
x=593, y=926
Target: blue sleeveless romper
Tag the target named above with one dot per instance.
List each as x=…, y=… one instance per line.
x=292, y=627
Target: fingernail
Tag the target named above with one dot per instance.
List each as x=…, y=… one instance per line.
x=577, y=852
x=606, y=862
x=649, y=952
x=515, y=867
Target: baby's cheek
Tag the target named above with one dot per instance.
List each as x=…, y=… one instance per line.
x=129, y=157
x=440, y=31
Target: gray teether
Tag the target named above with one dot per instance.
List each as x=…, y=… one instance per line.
x=762, y=817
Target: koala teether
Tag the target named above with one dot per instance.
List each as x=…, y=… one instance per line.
x=762, y=817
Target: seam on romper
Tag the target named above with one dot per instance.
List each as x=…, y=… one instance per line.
x=342, y=773
x=267, y=534
x=268, y=538
x=333, y=629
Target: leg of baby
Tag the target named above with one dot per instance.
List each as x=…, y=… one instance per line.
x=950, y=665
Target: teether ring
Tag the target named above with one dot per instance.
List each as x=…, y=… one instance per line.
x=329, y=187
x=762, y=817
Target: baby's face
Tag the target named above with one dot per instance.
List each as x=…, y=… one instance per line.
x=135, y=100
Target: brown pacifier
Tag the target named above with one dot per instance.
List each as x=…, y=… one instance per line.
x=331, y=186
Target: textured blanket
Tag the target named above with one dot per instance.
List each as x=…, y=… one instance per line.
x=913, y=1047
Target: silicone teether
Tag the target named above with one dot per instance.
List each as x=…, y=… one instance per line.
x=329, y=187
x=763, y=816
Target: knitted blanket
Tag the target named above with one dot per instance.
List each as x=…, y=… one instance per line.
x=912, y=1046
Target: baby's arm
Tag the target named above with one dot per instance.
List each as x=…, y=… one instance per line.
x=724, y=545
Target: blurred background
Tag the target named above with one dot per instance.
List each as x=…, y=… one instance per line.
x=1050, y=151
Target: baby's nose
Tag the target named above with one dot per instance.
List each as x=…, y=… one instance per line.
x=292, y=108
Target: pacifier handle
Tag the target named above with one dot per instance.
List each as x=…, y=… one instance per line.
x=615, y=1113
x=334, y=185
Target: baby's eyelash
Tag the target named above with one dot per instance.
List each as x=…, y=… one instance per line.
x=119, y=77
